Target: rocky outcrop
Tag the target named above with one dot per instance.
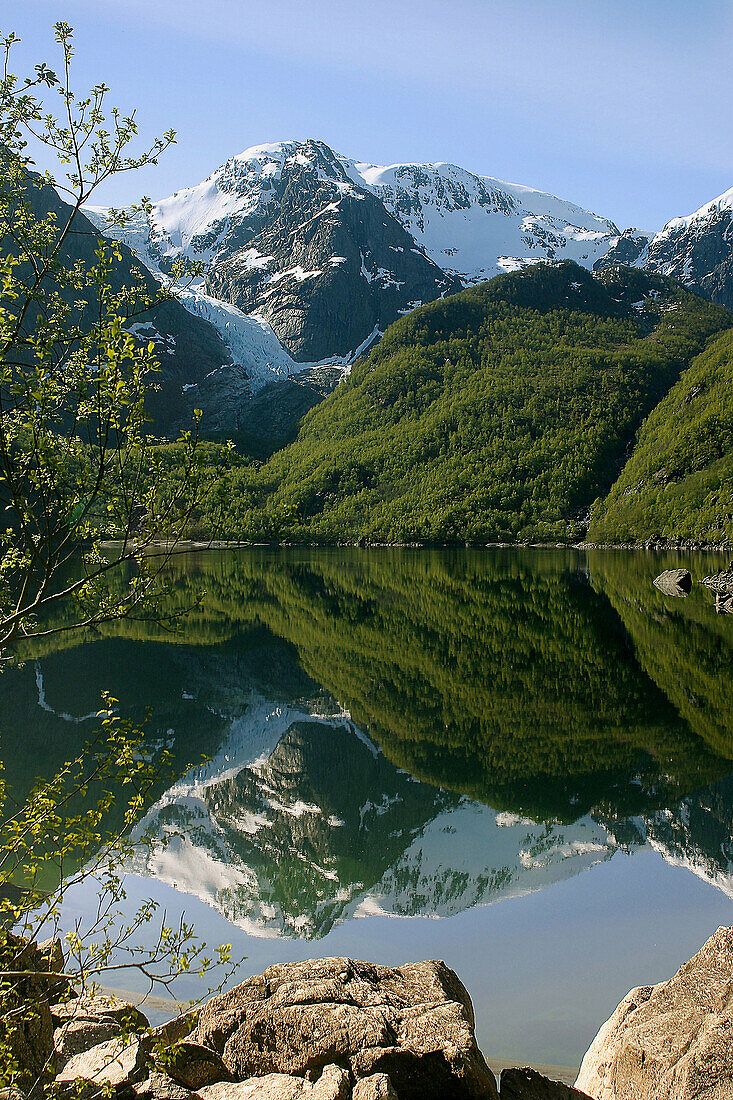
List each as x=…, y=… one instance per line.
x=159, y=1086
x=86, y=1022
x=671, y=1041
x=720, y=582
x=695, y=249
x=528, y=1084
x=333, y=1084
x=194, y=1066
x=323, y=262
x=414, y=1023
x=376, y=1087
x=674, y=582
x=117, y=1062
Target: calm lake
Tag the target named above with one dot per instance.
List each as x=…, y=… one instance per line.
x=518, y=761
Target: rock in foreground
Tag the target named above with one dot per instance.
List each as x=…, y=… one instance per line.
x=333, y=1084
x=528, y=1084
x=672, y=1041
x=414, y=1023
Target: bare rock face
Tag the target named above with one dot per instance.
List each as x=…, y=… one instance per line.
x=376, y=1087
x=173, y=1031
x=673, y=1041
x=528, y=1084
x=674, y=582
x=195, y=1066
x=414, y=1023
x=77, y=1035
x=86, y=1022
x=333, y=1084
x=101, y=1007
x=159, y=1086
x=115, y=1063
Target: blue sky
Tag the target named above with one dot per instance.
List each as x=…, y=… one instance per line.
x=622, y=106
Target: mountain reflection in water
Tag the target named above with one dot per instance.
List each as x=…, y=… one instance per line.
x=406, y=732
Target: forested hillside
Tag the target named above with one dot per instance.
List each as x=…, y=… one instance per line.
x=501, y=412
x=678, y=482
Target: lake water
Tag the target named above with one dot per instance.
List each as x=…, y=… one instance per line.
x=520, y=762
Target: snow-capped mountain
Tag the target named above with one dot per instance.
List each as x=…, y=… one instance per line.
x=325, y=252
x=696, y=249
x=476, y=227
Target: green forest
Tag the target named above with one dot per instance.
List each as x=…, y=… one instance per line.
x=505, y=413
x=678, y=482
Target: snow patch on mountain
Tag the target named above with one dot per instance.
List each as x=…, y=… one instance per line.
x=711, y=210
x=475, y=227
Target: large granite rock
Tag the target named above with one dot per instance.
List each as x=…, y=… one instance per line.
x=86, y=1022
x=333, y=1084
x=528, y=1084
x=115, y=1063
x=673, y=1041
x=194, y=1066
x=674, y=582
x=77, y=1035
x=414, y=1023
x=159, y=1086
x=376, y=1087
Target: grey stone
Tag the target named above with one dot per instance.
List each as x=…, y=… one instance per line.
x=528, y=1084
x=414, y=1023
x=333, y=1084
x=159, y=1086
x=77, y=1035
x=673, y=1041
x=108, y=1007
x=173, y=1031
x=114, y=1063
x=376, y=1087
x=194, y=1065
x=674, y=582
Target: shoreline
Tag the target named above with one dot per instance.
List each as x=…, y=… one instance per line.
x=181, y=546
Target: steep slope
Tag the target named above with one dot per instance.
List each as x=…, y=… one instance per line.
x=678, y=482
x=288, y=234
x=498, y=413
x=697, y=250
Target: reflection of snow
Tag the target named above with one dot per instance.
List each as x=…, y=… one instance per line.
x=59, y=713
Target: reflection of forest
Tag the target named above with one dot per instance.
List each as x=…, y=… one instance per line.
x=546, y=683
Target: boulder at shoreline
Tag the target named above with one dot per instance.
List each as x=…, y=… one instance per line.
x=672, y=1041
x=414, y=1023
